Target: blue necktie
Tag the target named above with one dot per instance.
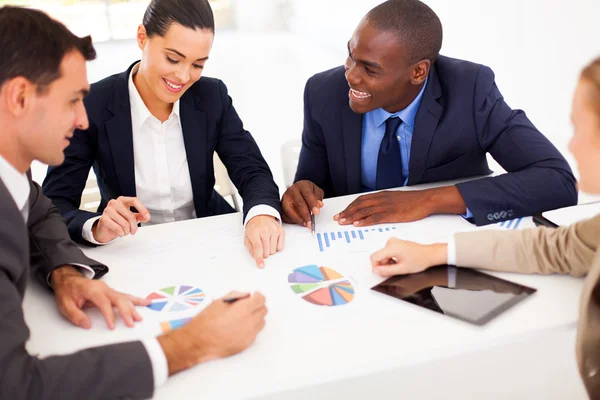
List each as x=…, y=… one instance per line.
x=389, y=162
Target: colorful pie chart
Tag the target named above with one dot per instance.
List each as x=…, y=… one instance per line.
x=176, y=298
x=321, y=286
x=168, y=326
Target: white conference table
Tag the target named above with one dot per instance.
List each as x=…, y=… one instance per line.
x=374, y=345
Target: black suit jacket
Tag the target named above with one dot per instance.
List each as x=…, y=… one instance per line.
x=109, y=372
x=462, y=116
x=210, y=123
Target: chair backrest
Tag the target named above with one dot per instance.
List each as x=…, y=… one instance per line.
x=90, y=198
x=223, y=184
x=290, y=155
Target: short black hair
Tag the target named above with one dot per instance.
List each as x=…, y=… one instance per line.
x=416, y=25
x=33, y=45
x=193, y=14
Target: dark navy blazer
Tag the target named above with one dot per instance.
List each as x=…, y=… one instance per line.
x=210, y=123
x=462, y=117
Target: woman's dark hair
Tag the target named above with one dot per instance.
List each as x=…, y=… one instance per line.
x=33, y=45
x=193, y=14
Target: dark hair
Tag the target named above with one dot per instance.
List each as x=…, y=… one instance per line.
x=416, y=25
x=193, y=14
x=33, y=45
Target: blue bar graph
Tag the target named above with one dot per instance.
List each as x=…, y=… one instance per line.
x=518, y=222
x=509, y=223
x=326, y=239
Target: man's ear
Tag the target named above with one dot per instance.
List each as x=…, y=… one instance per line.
x=18, y=95
x=420, y=71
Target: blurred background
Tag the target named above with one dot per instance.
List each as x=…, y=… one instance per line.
x=265, y=50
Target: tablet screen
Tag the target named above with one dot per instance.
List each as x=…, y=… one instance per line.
x=461, y=293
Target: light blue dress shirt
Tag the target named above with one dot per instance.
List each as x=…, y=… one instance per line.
x=373, y=133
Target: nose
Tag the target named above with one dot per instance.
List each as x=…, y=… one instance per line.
x=570, y=147
x=81, y=118
x=183, y=74
x=352, y=75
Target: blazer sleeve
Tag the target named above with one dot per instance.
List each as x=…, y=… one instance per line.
x=245, y=164
x=538, y=178
x=50, y=243
x=565, y=250
x=116, y=371
x=313, y=164
x=64, y=184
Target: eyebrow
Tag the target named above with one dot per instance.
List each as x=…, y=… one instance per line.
x=183, y=56
x=83, y=92
x=364, y=62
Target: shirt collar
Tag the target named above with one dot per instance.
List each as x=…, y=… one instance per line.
x=407, y=115
x=16, y=183
x=139, y=111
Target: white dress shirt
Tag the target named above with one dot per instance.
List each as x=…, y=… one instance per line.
x=18, y=187
x=162, y=176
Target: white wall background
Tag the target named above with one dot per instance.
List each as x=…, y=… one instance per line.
x=536, y=48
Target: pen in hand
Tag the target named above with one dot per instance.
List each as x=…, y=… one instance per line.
x=312, y=217
x=234, y=299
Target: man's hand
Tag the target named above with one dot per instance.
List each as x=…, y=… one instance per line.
x=73, y=292
x=264, y=237
x=118, y=220
x=298, y=202
x=401, y=206
x=221, y=330
x=400, y=257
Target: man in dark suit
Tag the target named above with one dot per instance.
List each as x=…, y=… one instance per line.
x=398, y=113
x=42, y=85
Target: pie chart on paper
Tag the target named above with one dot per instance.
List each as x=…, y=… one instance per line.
x=321, y=286
x=176, y=298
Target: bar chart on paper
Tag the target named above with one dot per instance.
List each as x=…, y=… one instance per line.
x=511, y=224
x=328, y=240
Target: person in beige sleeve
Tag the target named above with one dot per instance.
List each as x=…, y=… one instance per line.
x=570, y=250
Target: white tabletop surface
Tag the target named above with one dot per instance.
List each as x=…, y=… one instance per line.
x=367, y=340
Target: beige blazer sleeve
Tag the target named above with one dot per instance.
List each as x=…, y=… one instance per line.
x=565, y=250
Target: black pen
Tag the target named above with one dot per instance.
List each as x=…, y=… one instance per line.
x=312, y=217
x=234, y=299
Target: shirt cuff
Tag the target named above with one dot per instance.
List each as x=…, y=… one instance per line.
x=262, y=209
x=86, y=232
x=468, y=214
x=451, y=250
x=85, y=270
x=160, y=368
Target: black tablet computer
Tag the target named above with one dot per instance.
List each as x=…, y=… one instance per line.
x=461, y=293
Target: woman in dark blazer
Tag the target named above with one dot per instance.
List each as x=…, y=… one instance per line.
x=151, y=138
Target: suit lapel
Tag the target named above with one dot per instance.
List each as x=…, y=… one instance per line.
x=352, y=124
x=426, y=121
x=193, y=124
x=119, y=132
